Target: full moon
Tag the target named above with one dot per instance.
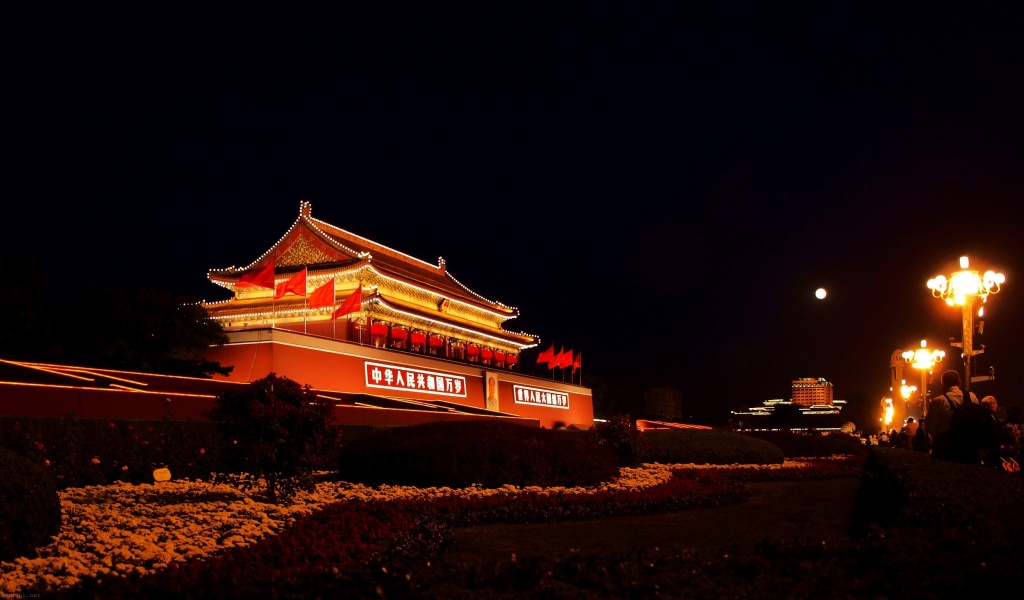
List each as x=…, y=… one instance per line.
x=820, y=293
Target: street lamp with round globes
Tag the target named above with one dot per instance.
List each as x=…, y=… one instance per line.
x=900, y=412
x=967, y=289
x=924, y=359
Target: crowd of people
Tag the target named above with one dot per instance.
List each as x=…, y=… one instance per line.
x=963, y=428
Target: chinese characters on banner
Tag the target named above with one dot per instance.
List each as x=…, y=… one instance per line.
x=540, y=397
x=394, y=377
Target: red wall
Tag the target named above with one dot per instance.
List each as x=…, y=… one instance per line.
x=33, y=400
x=59, y=401
x=333, y=365
x=328, y=366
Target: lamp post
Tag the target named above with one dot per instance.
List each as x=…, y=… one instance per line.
x=967, y=289
x=901, y=411
x=887, y=411
x=924, y=360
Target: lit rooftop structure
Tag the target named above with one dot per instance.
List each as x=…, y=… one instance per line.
x=814, y=399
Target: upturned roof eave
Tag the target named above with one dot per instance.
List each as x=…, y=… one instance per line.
x=520, y=340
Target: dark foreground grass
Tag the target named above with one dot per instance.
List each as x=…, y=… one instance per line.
x=775, y=510
x=952, y=530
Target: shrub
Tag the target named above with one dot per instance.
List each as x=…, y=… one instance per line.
x=30, y=513
x=710, y=446
x=463, y=453
x=82, y=452
x=802, y=445
x=913, y=490
x=276, y=431
x=621, y=434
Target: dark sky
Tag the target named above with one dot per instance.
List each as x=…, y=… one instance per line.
x=661, y=190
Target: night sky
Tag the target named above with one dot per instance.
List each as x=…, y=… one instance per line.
x=660, y=190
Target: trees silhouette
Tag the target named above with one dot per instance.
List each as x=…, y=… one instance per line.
x=146, y=330
x=23, y=327
x=276, y=432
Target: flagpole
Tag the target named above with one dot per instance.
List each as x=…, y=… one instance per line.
x=273, y=299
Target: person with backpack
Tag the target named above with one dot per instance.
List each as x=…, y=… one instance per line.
x=939, y=420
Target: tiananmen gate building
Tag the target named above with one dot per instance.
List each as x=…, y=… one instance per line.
x=389, y=338
x=380, y=329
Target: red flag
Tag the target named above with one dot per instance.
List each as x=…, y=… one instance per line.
x=351, y=304
x=322, y=296
x=576, y=364
x=556, y=361
x=262, y=278
x=547, y=356
x=566, y=361
x=295, y=285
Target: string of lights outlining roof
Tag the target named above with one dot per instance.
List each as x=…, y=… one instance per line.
x=326, y=229
x=380, y=301
x=348, y=273
x=298, y=312
x=313, y=222
x=302, y=205
x=354, y=273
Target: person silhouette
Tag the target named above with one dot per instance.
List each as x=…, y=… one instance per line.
x=922, y=440
x=940, y=413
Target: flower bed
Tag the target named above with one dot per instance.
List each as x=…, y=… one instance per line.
x=124, y=538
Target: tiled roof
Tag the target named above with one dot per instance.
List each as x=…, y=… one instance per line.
x=328, y=245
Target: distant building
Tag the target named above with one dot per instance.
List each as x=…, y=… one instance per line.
x=818, y=409
x=812, y=392
x=665, y=403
